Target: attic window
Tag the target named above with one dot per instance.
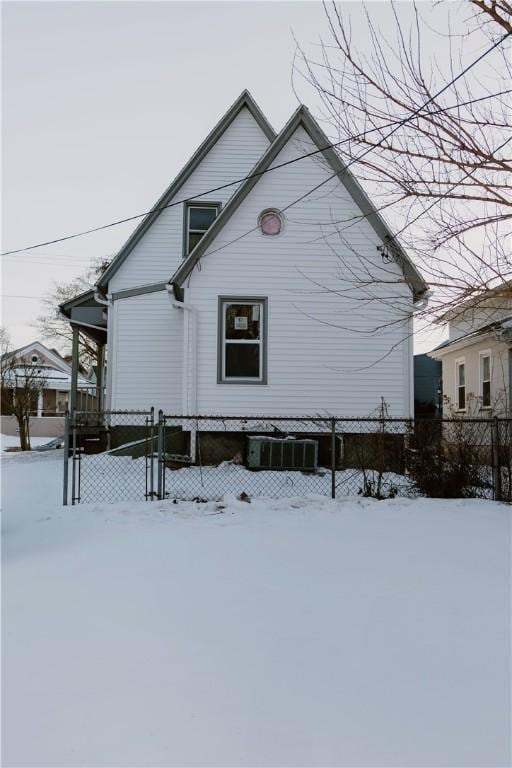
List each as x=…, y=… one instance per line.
x=198, y=219
x=270, y=222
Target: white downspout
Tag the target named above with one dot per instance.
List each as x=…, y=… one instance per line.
x=100, y=299
x=189, y=354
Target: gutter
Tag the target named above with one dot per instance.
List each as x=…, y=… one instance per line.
x=189, y=351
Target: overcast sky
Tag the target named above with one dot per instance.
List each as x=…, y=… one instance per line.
x=104, y=102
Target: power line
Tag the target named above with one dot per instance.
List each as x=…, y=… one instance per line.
x=17, y=296
x=286, y=163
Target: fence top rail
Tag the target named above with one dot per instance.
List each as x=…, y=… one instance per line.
x=327, y=419
x=339, y=419
x=127, y=412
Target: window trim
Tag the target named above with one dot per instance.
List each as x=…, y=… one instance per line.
x=481, y=355
x=263, y=300
x=458, y=362
x=195, y=204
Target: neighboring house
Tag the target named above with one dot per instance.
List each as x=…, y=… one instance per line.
x=477, y=357
x=237, y=302
x=53, y=400
x=427, y=386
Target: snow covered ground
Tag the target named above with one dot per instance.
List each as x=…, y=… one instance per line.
x=298, y=632
x=13, y=441
x=104, y=477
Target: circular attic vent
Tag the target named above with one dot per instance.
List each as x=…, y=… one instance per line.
x=270, y=222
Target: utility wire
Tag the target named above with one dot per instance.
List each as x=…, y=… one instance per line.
x=282, y=165
x=369, y=149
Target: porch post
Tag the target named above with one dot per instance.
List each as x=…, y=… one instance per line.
x=100, y=365
x=74, y=371
x=40, y=403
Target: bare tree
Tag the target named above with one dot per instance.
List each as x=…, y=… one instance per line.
x=57, y=330
x=22, y=381
x=443, y=173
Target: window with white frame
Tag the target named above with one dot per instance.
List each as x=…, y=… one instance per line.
x=198, y=219
x=460, y=375
x=242, y=334
x=485, y=379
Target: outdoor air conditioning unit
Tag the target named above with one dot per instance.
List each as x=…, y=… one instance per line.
x=282, y=453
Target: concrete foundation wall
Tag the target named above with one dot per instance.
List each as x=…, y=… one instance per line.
x=44, y=426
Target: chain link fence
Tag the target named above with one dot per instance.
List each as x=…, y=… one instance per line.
x=112, y=456
x=135, y=455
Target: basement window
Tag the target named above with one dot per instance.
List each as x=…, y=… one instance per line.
x=242, y=340
x=198, y=219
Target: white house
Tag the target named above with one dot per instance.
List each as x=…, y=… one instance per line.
x=52, y=399
x=262, y=282
x=477, y=356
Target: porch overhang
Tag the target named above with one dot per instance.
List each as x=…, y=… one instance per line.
x=86, y=313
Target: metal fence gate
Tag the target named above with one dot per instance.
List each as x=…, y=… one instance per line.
x=111, y=456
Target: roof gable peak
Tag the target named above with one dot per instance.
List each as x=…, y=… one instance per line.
x=302, y=116
x=245, y=99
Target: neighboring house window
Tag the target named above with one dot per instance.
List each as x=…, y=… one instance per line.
x=242, y=340
x=198, y=219
x=485, y=379
x=460, y=367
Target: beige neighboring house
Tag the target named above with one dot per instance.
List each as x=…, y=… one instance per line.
x=47, y=419
x=477, y=357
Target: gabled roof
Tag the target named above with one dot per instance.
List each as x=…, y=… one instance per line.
x=53, y=357
x=244, y=100
x=302, y=117
x=81, y=299
x=468, y=338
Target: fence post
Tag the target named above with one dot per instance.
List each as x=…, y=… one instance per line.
x=66, y=460
x=161, y=447
x=496, y=459
x=152, y=454
x=333, y=458
x=73, y=463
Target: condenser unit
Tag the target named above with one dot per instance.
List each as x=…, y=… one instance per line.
x=282, y=453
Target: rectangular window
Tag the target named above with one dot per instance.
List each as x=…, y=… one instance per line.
x=198, y=219
x=485, y=379
x=461, y=385
x=242, y=333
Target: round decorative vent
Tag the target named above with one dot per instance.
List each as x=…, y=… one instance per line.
x=34, y=359
x=270, y=222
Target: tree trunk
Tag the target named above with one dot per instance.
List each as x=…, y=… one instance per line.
x=24, y=428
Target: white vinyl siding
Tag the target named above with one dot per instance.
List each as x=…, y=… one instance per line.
x=160, y=251
x=500, y=385
x=147, y=353
x=323, y=356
